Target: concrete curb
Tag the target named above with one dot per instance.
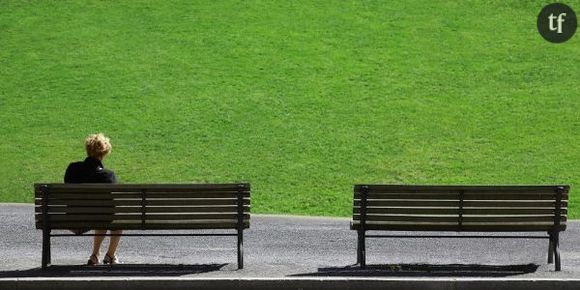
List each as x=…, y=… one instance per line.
x=144, y=283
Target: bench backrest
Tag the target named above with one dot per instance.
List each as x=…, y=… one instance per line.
x=460, y=208
x=142, y=206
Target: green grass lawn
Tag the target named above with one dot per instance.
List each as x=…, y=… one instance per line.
x=301, y=98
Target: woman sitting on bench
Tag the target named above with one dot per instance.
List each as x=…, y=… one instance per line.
x=91, y=170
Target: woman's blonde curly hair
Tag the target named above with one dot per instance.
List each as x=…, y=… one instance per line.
x=98, y=145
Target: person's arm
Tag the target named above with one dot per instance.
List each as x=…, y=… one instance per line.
x=106, y=176
x=68, y=175
x=112, y=178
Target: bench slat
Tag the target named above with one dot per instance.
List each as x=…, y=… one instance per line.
x=466, y=203
x=512, y=218
x=109, y=195
x=102, y=203
x=195, y=194
x=455, y=211
x=455, y=228
x=147, y=217
x=409, y=202
x=470, y=227
x=451, y=196
x=497, y=189
x=124, y=202
x=410, y=210
x=138, y=209
x=455, y=218
x=512, y=203
x=149, y=225
x=193, y=202
x=139, y=187
x=414, y=218
x=387, y=196
x=512, y=210
x=91, y=195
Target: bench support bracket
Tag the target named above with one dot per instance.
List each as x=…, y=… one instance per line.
x=45, y=229
x=551, y=250
x=240, y=250
x=555, y=240
x=361, y=246
x=555, y=235
x=240, y=227
x=45, y=248
x=361, y=249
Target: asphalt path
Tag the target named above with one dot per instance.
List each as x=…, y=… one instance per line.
x=284, y=246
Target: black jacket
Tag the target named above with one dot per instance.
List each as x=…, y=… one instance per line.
x=89, y=171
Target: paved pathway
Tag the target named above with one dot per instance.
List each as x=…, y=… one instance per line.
x=284, y=246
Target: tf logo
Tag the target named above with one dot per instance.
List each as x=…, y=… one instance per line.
x=557, y=22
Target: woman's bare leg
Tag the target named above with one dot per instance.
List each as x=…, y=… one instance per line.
x=114, y=243
x=98, y=241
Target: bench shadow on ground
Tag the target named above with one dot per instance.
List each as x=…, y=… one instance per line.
x=117, y=270
x=424, y=270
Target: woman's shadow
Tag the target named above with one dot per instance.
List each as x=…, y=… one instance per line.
x=117, y=270
x=424, y=270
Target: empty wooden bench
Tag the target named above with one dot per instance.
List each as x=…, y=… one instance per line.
x=460, y=209
x=143, y=207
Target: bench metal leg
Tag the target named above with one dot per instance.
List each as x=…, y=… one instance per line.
x=45, y=248
x=358, y=255
x=361, y=251
x=551, y=250
x=240, y=249
x=557, y=251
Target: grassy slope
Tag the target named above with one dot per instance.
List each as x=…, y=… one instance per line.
x=300, y=98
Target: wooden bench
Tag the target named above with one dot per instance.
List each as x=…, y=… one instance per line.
x=143, y=207
x=460, y=209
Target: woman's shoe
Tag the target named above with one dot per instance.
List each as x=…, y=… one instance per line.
x=78, y=231
x=110, y=260
x=93, y=260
